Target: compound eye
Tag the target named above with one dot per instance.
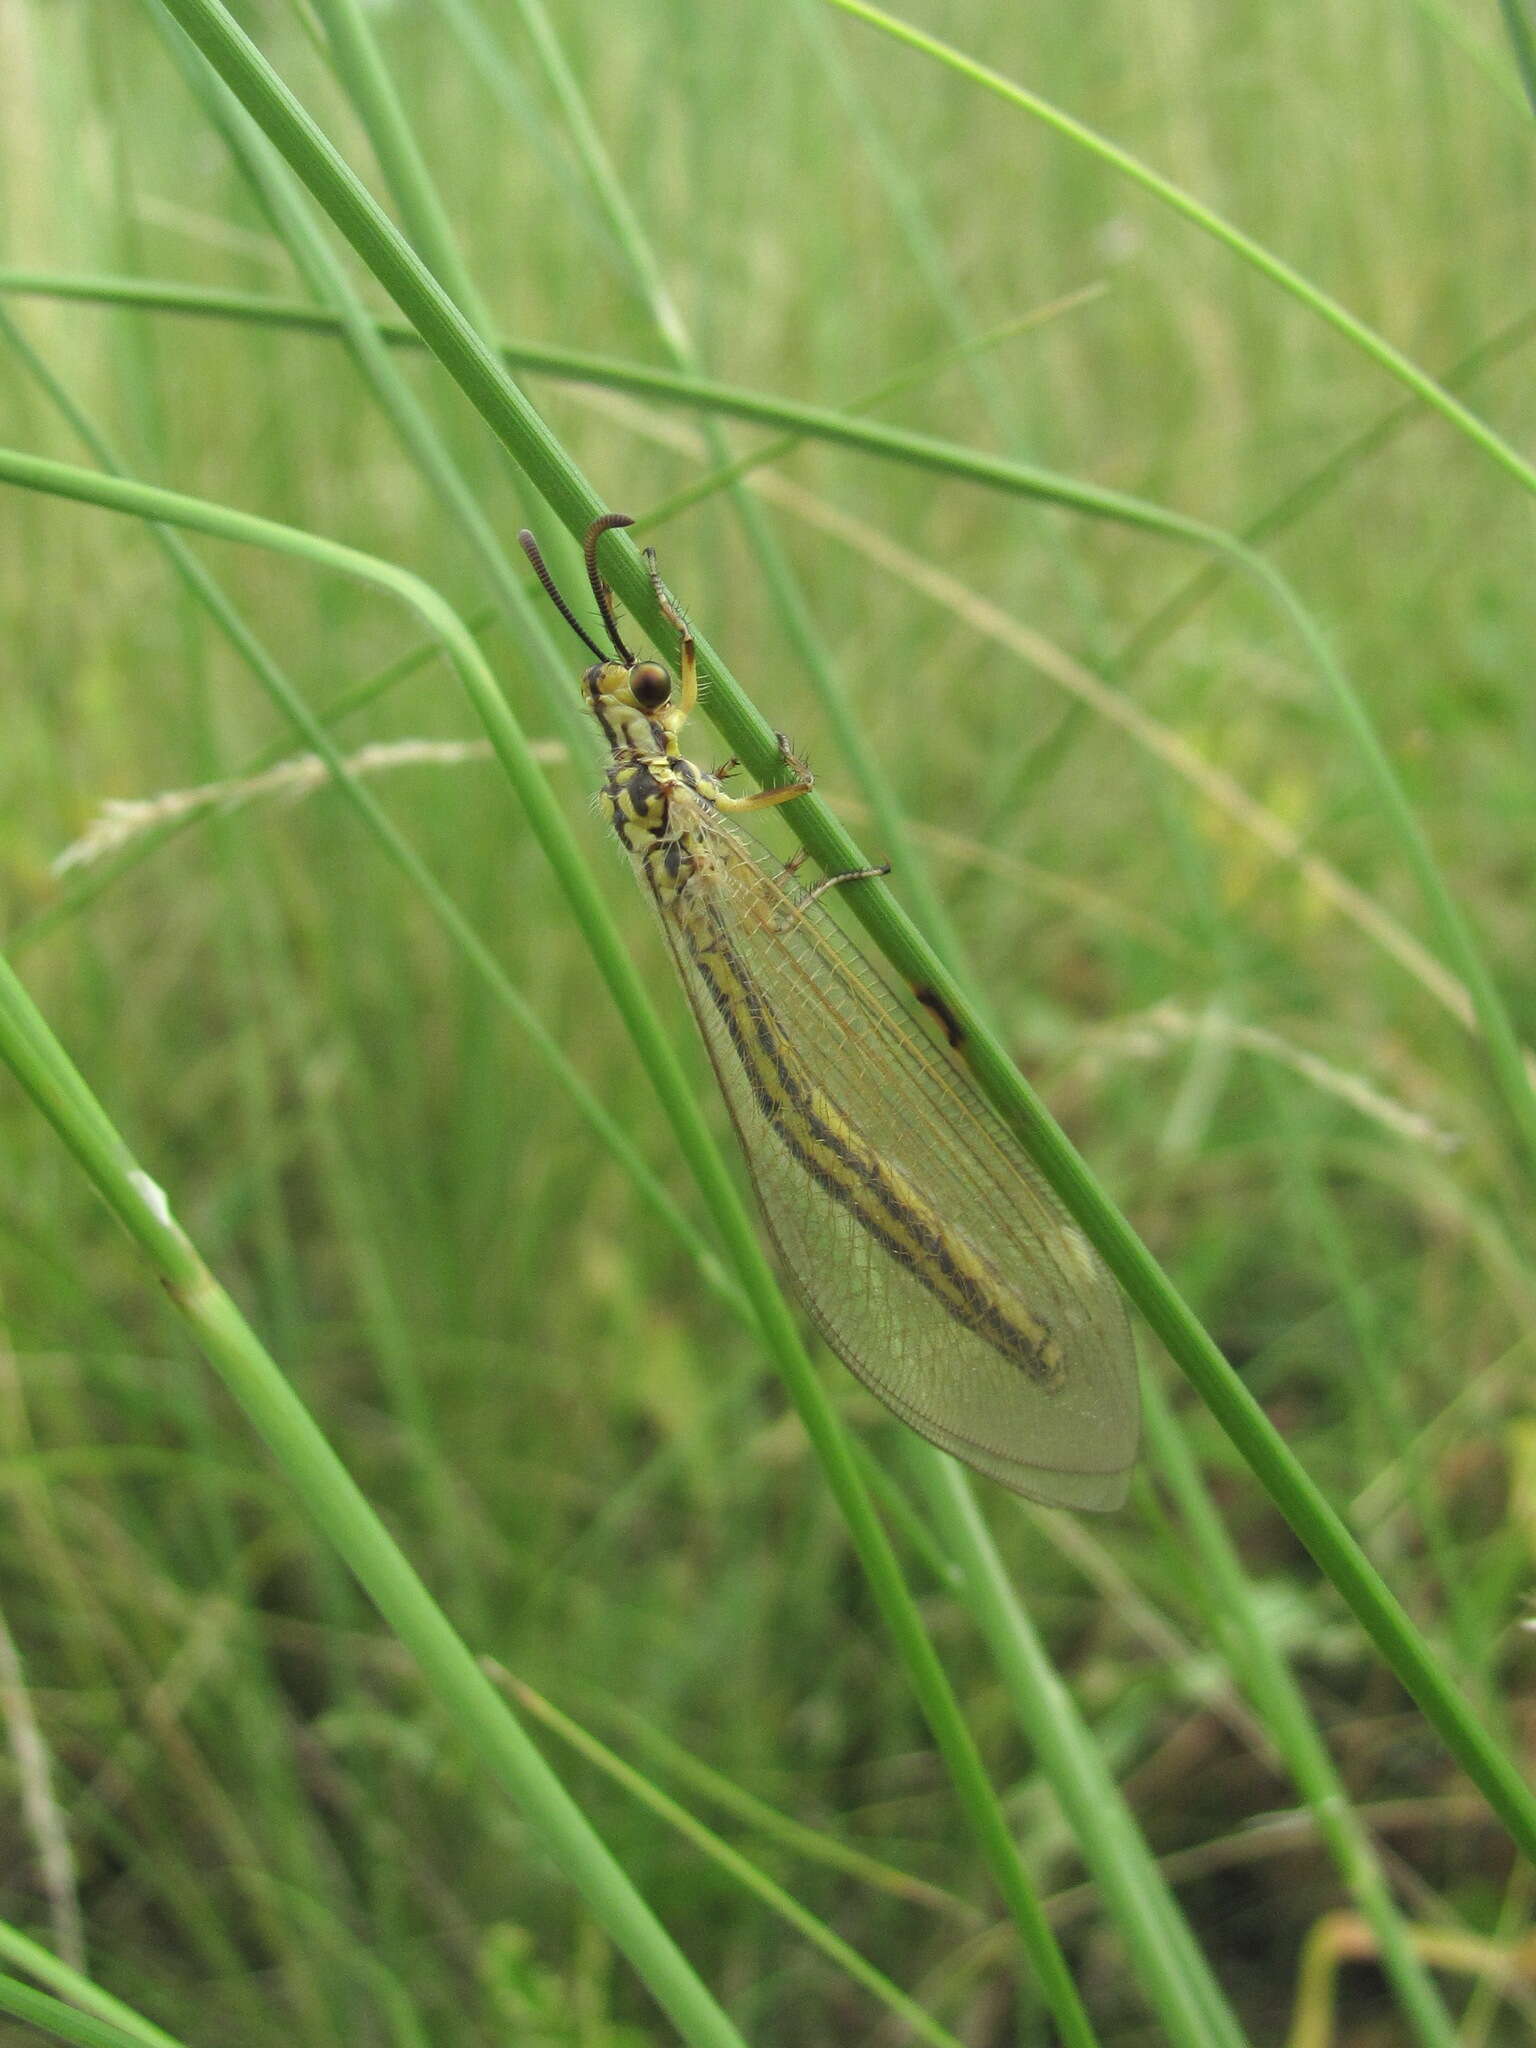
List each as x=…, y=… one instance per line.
x=649, y=685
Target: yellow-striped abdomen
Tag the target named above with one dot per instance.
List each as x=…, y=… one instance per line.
x=830, y=1148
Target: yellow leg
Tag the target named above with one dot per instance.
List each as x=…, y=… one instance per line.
x=687, y=662
x=765, y=799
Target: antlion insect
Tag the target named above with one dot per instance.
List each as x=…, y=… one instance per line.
x=931, y=1255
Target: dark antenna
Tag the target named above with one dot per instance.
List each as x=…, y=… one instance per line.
x=530, y=548
x=600, y=589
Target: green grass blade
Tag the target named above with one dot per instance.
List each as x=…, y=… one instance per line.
x=64, y=2022
x=802, y=421
x=84, y=1996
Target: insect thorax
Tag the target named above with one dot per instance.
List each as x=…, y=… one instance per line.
x=654, y=802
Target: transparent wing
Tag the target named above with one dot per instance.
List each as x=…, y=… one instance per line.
x=795, y=1002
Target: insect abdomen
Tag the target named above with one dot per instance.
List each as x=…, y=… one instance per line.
x=830, y=1148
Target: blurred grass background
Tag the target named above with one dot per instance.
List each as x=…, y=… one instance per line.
x=570, y=1436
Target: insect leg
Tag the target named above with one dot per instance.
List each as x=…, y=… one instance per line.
x=687, y=662
x=837, y=881
x=790, y=911
x=765, y=799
